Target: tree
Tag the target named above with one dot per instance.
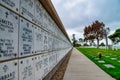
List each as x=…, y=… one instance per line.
x=85, y=40
x=102, y=44
x=74, y=40
x=115, y=37
x=106, y=31
x=98, y=31
x=95, y=31
x=81, y=41
x=88, y=34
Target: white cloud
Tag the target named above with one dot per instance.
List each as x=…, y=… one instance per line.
x=113, y=26
x=75, y=14
x=69, y=4
x=56, y=2
x=77, y=34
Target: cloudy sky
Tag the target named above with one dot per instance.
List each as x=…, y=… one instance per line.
x=76, y=14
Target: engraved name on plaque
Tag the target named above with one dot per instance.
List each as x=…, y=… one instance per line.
x=8, y=34
x=38, y=40
x=27, y=9
x=25, y=38
x=45, y=41
x=9, y=70
x=12, y=4
x=38, y=67
x=26, y=69
x=46, y=63
x=38, y=13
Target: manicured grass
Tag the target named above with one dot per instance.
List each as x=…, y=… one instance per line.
x=92, y=54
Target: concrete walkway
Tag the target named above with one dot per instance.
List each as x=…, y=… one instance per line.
x=81, y=68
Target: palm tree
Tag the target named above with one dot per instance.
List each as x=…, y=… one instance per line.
x=74, y=40
x=106, y=31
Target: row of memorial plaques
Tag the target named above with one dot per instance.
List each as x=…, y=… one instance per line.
x=27, y=10
x=24, y=7
x=32, y=39
x=30, y=68
x=31, y=10
x=8, y=34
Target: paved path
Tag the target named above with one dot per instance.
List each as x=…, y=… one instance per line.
x=81, y=68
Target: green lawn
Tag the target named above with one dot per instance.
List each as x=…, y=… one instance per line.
x=92, y=54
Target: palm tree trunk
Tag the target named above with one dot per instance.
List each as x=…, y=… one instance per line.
x=97, y=43
x=106, y=41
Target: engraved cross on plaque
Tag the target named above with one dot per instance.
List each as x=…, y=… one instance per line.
x=6, y=14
